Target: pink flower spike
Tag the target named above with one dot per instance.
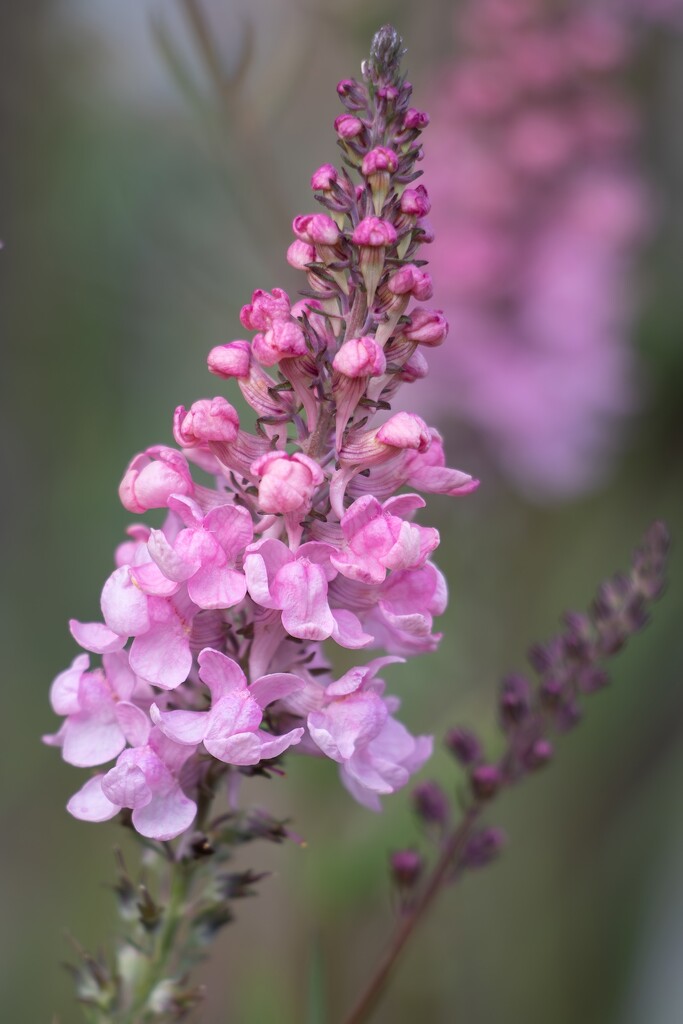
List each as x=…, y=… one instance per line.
x=152, y=477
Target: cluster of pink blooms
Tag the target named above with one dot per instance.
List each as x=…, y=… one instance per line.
x=541, y=211
x=213, y=625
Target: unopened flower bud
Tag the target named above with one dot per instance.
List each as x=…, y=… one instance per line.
x=323, y=179
x=514, y=700
x=152, y=476
x=426, y=327
x=264, y=309
x=415, y=368
x=410, y=280
x=378, y=166
x=415, y=120
x=360, y=357
x=415, y=202
x=463, y=745
x=538, y=754
x=206, y=420
x=486, y=780
x=405, y=430
x=347, y=126
x=316, y=229
x=300, y=254
x=372, y=236
x=231, y=360
x=287, y=482
x=406, y=867
x=285, y=340
x=431, y=803
x=483, y=847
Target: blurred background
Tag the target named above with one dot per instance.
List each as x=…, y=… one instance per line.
x=147, y=186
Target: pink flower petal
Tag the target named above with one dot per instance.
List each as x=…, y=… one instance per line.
x=90, y=803
x=181, y=726
x=162, y=656
x=96, y=637
x=274, y=686
x=165, y=816
x=124, y=606
x=221, y=674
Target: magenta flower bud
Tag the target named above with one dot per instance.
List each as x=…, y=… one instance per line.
x=378, y=166
x=231, y=360
x=316, y=229
x=284, y=340
x=300, y=254
x=423, y=233
x=347, y=126
x=486, y=781
x=379, y=159
x=539, y=754
x=405, y=430
x=406, y=867
x=360, y=357
x=375, y=233
x=514, y=700
x=323, y=179
x=206, y=420
x=463, y=745
x=483, y=847
x=152, y=476
x=287, y=482
x=264, y=309
x=415, y=368
x=426, y=327
x=410, y=280
x=431, y=803
x=415, y=119
x=415, y=202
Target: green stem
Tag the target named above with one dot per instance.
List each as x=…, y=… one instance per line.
x=158, y=968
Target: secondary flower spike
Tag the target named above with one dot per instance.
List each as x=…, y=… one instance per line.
x=213, y=628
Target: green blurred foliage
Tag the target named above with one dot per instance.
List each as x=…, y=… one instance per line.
x=131, y=240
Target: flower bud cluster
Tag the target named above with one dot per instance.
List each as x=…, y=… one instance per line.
x=210, y=650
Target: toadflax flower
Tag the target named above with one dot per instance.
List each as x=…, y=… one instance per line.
x=542, y=210
x=213, y=623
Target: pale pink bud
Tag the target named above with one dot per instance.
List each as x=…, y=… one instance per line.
x=379, y=159
x=152, y=476
x=264, y=309
x=415, y=201
x=374, y=232
x=300, y=254
x=416, y=119
x=209, y=419
x=360, y=357
x=424, y=233
x=347, y=126
x=284, y=340
x=231, y=360
x=410, y=280
x=287, y=482
x=316, y=229
x=323, y=179
x=427, y=327
x=405, y=430
x=415, y=368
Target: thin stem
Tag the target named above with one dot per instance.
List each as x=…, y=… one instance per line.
x=181, y=876
x=453, y=847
